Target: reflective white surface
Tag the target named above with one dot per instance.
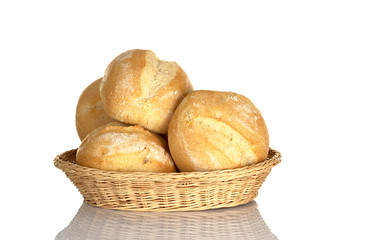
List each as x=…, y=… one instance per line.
x=242, y=222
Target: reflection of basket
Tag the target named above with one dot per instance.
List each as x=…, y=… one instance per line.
x=242, y=222
x=181, y=191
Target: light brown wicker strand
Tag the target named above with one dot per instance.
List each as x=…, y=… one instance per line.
x=181, y=191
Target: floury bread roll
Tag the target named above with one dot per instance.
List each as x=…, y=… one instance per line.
x=89, y=111
x=217, y=130
x=125, y=148
x=139, y=88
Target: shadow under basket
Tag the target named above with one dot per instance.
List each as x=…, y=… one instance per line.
x=179, y=191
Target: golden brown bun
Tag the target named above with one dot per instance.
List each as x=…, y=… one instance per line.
x=125, y=148
x=89, y=111
x=217, y=130
x=139, y=88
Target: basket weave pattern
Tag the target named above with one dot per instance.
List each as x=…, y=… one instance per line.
x=181, y=191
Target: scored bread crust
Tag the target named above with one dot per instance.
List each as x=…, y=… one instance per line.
x=89, y=111
x=139, y=88
x=217, y=130
x=118, y=147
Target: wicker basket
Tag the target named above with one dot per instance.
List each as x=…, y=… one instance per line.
x=180, y=191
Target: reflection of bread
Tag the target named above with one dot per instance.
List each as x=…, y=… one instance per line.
x=217, y=130
x=139, y=88
x=124, y=148
x=89, y=111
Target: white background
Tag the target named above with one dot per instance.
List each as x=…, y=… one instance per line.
x=305, y=64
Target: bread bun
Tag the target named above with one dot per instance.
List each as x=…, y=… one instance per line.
x=89, y=111
x=139, y=88
x=125, y=148
x=217, y=130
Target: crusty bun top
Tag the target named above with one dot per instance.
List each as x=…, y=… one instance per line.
x=217, y=130
x=89, y=111
x=139, y=88
x=125, y=148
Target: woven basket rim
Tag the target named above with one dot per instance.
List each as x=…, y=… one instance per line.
x=178, y=191
x=274, y=158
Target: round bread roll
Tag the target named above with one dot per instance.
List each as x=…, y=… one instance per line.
x=118, y=147
x=89, y=111
x=139, y=88
x=213, y=130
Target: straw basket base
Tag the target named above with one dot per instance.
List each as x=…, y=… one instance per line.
x=181, y=191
